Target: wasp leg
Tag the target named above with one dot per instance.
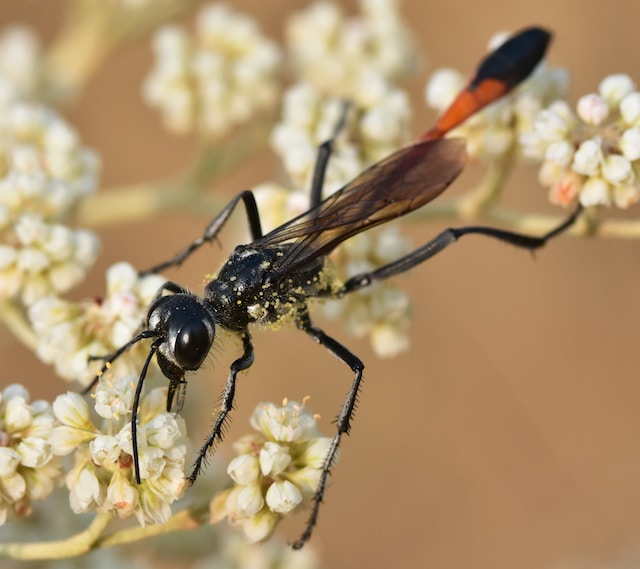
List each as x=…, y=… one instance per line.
x=217, y=432
x=343, y=421
x=324, y=153
x=210, y=234
x=446, y=238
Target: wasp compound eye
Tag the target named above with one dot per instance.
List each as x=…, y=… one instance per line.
x=193, y=343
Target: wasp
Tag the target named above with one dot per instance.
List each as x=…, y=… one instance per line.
x=276, y=275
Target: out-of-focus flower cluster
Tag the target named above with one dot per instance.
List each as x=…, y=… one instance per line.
x=495, y=131
x=591, y=155
x=44, y=172
x=309, y=119
x=367, y=135
x=381, y=311
x=276, y=472
x=29, y=470
x=102, y=478
x=69, y=332
x=217, y=80
x=357, y=58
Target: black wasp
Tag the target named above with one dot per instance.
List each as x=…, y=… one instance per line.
x=273, y=277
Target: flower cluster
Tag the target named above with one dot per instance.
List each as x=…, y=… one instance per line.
x=593, y=155
x=44, y=172
x=217, y=80
x=102, y=478
x=380, y=311
x=495, y=131
x=356, y=58
x=367, y=135
x=69, y=332
x=276, y=472
x=28, y=468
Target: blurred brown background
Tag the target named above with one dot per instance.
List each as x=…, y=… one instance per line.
x=509, y=435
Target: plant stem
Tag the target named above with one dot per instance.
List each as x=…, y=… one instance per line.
x=74, y=546
x=16, y=321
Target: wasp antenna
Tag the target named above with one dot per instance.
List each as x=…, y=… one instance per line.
x=110, y=358
x=136, y=403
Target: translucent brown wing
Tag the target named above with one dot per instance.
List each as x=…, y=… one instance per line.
x=395, y=186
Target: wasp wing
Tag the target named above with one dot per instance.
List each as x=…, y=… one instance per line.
x=395, y=186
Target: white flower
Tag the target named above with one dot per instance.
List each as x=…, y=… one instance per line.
x=277, y=470
x=69, y=332
x=382, y=311
x=274, y=458
x=630, y=108
x=615, y=88
x=368, y=135
x=605, y=136
x=102, y=478
x=244, y=469
x=283, y=497
x=630, y=143
x=45, y=258
x=45, y=173
x=592, y=109
x=28, y=468
x=588, y=158
x=359, y=58
x=217, y=80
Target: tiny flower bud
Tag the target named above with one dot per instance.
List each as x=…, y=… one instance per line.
x=71, y=410
x=615, y=87
x=564, y=191
x=122, y=495
x=85, y=490
x=625, y=196
x=17, y=414
x=588, y=158
x=443, y=86
x=595, y=192
x=259, y=527
x=550, y=125
x=282, y=497
x=105, y=450
x=560, y=153
x=244, y=469
x=630, y=109
x=9, y=461
x=250, y=500
x=592, y=109
x=630, y=143
x=617, y=170
x=274, y=459
x=34, y=452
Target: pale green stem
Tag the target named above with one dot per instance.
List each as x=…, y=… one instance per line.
x=93, y=538
x=74, y=546
x=140, y=201
x=473, y=203
x=16, y=321
x=92, y=31
x=187, y=519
